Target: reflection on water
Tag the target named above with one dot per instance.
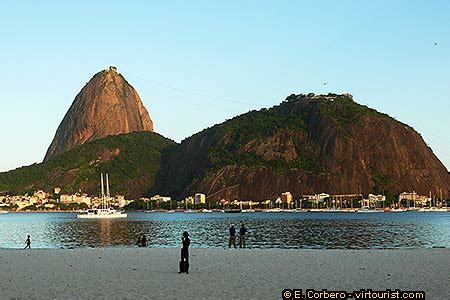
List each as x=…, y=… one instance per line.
x=266, y=230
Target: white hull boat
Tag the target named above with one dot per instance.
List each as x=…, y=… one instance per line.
x=105, y=212
x=101, y=213
x=434, y=209
x=274, y=210
x=366, y=209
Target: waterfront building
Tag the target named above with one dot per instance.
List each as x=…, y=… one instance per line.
x=374, y=201
x=413, y=199
x=199, y=198
x=75, y=198
x=160, y=199
x=287, y=198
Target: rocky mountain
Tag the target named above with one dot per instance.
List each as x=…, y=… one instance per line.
x=132, y=161
x=107, y=105
x=307, y=144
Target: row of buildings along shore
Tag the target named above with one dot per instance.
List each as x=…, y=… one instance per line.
x=286, y=201
x=57, y=200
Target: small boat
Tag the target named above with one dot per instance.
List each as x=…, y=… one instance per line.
x=206, y=210
x=232, y=211
x=248, y=210
x=317, y=210
x=413, y=209
x=398, y=209
x=3, y=211
x=299, y=210
x=367, y=209
x=274, y=210
x=433, y=209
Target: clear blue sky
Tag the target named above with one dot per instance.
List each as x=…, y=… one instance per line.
x=198, y=63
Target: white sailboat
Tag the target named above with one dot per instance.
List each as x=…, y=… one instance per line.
x=105, y=211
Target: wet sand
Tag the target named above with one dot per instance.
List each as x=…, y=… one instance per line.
x=217, y=274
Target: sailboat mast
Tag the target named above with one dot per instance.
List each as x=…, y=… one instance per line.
x=107, y=190
x=430, y=199
x=103, y=191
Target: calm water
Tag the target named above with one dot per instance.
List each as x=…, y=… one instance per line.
x=266, y=230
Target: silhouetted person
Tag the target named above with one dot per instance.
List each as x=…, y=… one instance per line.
x=28, y=243
x=242, y=233
x=232, y=240
x=144, y=241
x=139, y=243
x=184, y=263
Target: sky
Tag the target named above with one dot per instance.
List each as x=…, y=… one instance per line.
x=199, y=63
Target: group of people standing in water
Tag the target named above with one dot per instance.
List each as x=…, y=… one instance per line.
x=184, y=261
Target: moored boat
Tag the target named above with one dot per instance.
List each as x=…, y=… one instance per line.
x=367, y=209
x=232, y=211
x=105, y=212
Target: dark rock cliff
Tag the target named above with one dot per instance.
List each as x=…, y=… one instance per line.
x=307, y=144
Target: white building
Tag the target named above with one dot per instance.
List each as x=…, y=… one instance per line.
x=413, y=198
x=199, y=198
x=75, y=198
x=286, y=197
x=41, y=195
x=159, y=199
x=373, y=201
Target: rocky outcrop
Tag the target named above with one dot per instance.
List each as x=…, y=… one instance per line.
x=107, y=105
x=308, y=144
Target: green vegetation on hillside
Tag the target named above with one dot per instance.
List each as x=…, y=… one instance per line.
x=293, y=115
x=255, y=127
x=132, y=161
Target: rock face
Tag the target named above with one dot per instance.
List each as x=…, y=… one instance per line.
x=107, y=105
x=308, y=144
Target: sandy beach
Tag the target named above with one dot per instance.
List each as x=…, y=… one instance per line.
x=130, y=273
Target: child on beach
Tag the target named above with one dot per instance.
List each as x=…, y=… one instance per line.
x=28, y=243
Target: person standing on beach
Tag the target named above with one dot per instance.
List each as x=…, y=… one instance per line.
x=232, y=240
x=144, y=241
x=28, y=243
x=184, y=263
x=242, y=233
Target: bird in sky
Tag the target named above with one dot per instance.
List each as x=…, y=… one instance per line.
x=325, y=83
x=435, y=43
